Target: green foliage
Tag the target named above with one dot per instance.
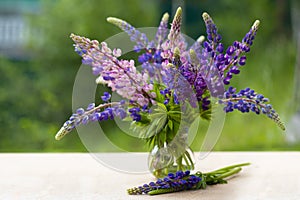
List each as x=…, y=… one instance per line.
x=160, y=127
x=24, y=123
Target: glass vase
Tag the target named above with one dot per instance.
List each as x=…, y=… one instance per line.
x=169, y=159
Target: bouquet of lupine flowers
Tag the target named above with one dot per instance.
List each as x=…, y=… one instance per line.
x=175, y=84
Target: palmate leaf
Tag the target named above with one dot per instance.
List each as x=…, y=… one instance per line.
x=152, y=125
x=139, y=128
x=162, y=125
x=174, y=116
x=156, y=125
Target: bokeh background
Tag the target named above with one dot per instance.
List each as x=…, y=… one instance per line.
x=38, y=66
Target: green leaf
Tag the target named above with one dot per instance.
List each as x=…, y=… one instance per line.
x=151, y=142
x=170, y=124
x=206, y=115
x=175, y=118
x=163, y=136
x=152, y=127
x=175, y=113
x=162, y=106
x=161, y=123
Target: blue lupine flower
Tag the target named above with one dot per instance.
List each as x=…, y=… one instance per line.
x=145, y=57
x=92, y=113
x=211, y=29
x=248, y=100
x=177, y=182
x=135, y=113
x=106, y=96
x=157, y=57
x=162, y=30
x=135, y=35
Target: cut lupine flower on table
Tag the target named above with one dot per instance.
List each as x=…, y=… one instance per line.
x=181, y=181
x=176, y=84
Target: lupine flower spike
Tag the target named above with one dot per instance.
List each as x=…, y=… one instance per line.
x=248, y=100
x=180, y=181
x=175, y=28
x=162, y=31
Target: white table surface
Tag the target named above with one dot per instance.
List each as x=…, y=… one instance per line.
x=272, y=175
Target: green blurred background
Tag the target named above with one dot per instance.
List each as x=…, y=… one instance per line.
x=38, y=66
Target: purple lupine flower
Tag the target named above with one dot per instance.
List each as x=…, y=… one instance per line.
x=120, y=75
x=120, y=112
x=135, y=113
x=90, y=114
x=248, y=100
x=106, y=96
x=211, y=29
x=162, y=31
x=177, y=79
x=205, y=103
x=175, y=182
x=249, y=37
x=145, y=57
x=220, y=48
x=136, y=36
x=242, y=60
x=194, y=79
x=207, y=68
x=234, y=57
x=175, y=29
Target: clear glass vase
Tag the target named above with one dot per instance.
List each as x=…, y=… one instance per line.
x=169, y=159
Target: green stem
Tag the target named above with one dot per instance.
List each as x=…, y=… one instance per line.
x=227, y=168
x=161, y=191
x=190, y=159
x=186, y=160
x=179, y=163
x=230, y=173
